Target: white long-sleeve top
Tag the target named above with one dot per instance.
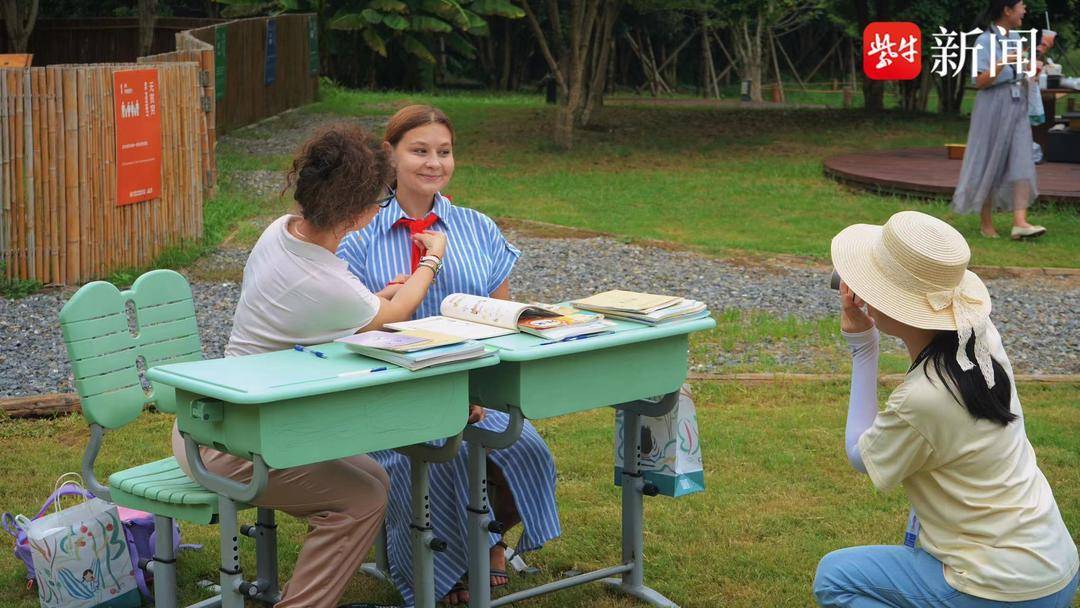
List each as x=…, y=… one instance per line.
x=862, y=404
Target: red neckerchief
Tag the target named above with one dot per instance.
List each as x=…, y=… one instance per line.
x=415, y=227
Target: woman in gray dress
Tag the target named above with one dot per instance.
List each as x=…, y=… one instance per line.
x=998, y=171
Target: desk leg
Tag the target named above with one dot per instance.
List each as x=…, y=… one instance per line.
x=479, y=521
x=231, y=575
x=266, y=564
x=164, y=563
x=423, y=539
x=633, y=540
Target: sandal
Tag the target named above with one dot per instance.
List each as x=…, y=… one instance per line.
x=495, y=573
x=459, y=587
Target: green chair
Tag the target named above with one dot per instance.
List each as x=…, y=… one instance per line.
x=109, y=354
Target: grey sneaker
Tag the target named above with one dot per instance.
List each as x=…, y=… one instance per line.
x=1027, y=232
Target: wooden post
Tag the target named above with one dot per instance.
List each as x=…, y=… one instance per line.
x=37, y=148
x=30, y=135
x=794, y=72
x=85, y=220
x=56, y=174
x=5, y=178
x=20, y=171
x=778, y=93
x=71, y=175
x=97, y=220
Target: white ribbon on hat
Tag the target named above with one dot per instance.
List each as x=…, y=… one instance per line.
x=966, y=307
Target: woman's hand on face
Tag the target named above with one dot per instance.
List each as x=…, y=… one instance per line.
x=853, y=317
x=476, y=414
x=434, y=243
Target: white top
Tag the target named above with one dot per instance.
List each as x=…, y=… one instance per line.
x=986, y=510
x=295, y=292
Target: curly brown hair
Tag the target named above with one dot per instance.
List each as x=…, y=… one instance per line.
x=339, y=173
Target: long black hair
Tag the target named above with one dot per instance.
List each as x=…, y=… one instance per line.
x=994, y=10
x=980, y=400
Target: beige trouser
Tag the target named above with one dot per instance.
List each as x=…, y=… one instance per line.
x=343, y=501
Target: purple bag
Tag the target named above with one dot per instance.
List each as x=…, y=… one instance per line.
x=138, y=529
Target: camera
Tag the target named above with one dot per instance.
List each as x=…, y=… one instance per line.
x=834, y=280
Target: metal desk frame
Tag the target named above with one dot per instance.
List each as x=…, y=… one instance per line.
x=627, y=577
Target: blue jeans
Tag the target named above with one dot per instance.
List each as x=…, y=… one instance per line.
x=899, y=577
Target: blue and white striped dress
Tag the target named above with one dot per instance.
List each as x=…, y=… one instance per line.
x=478, y=259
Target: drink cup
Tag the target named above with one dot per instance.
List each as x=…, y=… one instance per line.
x=1048, y=37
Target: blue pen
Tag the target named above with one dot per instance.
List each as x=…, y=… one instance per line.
x=301, y=349
x=570, y=339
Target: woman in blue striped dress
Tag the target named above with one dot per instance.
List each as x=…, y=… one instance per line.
x=478, y=260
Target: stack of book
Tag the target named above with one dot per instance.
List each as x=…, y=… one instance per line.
x=643, y=307
x=476, y=318
x=414, y=349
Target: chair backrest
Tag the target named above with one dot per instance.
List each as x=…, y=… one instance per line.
x=109, y=355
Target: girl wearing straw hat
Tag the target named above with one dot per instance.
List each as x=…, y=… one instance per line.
x=999, y=169
x=984, y=526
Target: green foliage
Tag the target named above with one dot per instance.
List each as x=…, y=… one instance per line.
x=429, y=24
x=417, y=48
x=13, y=289
x=415, y=25
x=497, y=8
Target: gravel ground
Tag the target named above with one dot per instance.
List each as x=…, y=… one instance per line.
x=285, y=133
x=261, y=184
x=1039, y=322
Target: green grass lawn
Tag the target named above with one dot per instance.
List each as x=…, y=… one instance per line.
x=721, y=181
x=780, y=494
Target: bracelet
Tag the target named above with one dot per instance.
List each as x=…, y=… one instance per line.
x=435, y=268
x=433, y=260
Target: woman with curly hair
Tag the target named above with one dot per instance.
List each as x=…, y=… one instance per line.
x=296, y=291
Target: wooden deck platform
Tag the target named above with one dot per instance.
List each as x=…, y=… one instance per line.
x=928, y=172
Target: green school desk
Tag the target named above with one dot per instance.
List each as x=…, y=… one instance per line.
x=536, y=380
x=290, y=408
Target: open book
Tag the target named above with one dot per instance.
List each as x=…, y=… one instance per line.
x=476, y=317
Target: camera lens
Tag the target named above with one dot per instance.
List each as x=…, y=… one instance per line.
x=834, y=280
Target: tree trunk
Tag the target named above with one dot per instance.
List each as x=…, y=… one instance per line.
x=572, y=61
x=873, y=95
x=19, y=23
x=749, y=53
x=602, y=48
x=950, y=94
x=708, y=69
x=147, y=19
x=507, y=58
x=564, y=127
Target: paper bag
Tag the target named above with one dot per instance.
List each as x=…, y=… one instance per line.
x=81, y=558
x=670, y=450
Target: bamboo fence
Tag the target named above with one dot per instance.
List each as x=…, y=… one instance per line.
x=59, y=221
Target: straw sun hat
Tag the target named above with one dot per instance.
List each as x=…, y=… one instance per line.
x=914, y=269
